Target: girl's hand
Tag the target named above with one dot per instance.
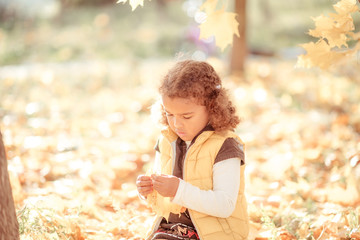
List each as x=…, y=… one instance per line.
x=144, y=185
x=166, y=185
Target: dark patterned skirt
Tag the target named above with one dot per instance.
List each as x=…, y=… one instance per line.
x=175, y=231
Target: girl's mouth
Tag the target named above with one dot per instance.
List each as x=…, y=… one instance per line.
x=180, y=134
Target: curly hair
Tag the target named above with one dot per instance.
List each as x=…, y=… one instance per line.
x=198, y=80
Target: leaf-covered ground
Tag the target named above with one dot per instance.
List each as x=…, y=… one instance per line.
x=78, y=134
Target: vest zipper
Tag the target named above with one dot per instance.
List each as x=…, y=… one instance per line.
x=183, y=173
x=184, y=170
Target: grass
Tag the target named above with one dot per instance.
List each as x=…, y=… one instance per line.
x=268, y=223
x=40, y=223
x=353, y=218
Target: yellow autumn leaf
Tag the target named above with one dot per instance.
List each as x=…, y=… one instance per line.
x=318, y=54
x=163, y=205
x=346, y=6
x=344, y=22
x=334, y=32
x=133, y=3
x=322, y=23
x=333, y=28
x=222, y=25
x=337, y=39
x=356, y=36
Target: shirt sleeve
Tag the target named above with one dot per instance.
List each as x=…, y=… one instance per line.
x=231, y=148
x=221, y=200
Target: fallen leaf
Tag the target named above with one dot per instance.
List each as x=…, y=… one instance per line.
x=285, y=235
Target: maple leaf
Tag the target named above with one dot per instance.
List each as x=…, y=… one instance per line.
x=325, y=28
x=318, y=54
x=356, y=36
x=222, y=25
x=334, y=28
x=334, y=33
x=346, y=6
x=133, y=3
x=322, y=23
x=345, y=21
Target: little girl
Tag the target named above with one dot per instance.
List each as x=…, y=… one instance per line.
x=198, y=189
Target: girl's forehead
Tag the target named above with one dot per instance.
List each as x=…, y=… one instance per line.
x=177, y=104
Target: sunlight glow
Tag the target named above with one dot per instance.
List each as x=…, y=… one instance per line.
x=32, y=142
x=32, y=108
x=260, y=95
x=199, y=56
x=240, y=93
x=191, y=7
x=200, y=17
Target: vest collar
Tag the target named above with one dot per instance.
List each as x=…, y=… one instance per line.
x=169, y=134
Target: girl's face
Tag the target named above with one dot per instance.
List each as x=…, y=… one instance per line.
x=185, y=117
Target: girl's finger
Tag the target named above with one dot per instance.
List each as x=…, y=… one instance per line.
x=158, y=178
x=145, y=189
x=144, y=183
x=157, y=185
x=144, y=178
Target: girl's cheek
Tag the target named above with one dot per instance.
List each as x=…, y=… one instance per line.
x=170, y=122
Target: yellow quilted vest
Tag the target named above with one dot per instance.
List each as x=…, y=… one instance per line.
x=198, y=169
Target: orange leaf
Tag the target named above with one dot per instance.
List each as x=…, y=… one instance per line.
x=285, y=235
x=355, y=235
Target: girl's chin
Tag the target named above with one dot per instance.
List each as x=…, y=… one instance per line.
x=184, y=136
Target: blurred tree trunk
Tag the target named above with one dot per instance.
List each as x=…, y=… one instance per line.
x=9, y=227
x=239, y=49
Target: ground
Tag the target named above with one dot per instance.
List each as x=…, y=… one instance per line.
x=76, y=120
x=75, y=146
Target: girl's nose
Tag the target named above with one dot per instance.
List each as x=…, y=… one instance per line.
x=177, y=122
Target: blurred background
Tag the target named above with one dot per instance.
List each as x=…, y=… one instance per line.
x=79, y=30
x=78, y=78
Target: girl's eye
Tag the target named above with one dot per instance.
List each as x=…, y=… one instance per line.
x=168, y=114
x=187, y=117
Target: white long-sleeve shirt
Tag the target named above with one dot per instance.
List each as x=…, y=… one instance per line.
x=221, y=200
